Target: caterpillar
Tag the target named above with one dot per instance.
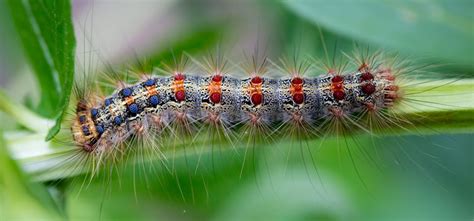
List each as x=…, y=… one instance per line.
x=258, y=104
x=347, y=119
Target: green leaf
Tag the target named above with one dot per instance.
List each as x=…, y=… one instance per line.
x=22, y=115
x=23, y=200
x=55, y=129
x=46, y=31
x=302, y=200
x=437, y=28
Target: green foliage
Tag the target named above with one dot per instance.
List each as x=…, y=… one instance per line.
x=21, y=199
x=46, y=31
x=439, y=28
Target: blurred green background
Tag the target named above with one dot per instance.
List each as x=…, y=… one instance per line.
x=394, y=177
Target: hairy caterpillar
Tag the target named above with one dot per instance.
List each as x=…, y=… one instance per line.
x=356, y=113
x=257, y=105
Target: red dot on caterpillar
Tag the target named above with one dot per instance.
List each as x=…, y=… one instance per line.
x=257, y=99
x=337, y=79
x=298, y=98
x=367, y=76
x=215, y=97
x=217, y=78
x=338, y=95
x=368, y=89
x=298, y=86
x=179, y=76
x=296, y=81
x=180, y=95
x=256, y=80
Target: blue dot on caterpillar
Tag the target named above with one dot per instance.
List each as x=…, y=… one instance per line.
x=99, y=129
x=149, y=82
x=154, y=100
x=108, y=101
x=118, y=120
x=94, y=112
x=126, y=92
x=133, y=108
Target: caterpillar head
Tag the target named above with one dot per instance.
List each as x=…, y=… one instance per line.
x=83, y=129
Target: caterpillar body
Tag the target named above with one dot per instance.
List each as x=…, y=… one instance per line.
x=224, y=101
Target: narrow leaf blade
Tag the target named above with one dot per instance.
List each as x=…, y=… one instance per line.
x=46, y=32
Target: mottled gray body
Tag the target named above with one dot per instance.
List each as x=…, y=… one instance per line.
x=157, y=97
